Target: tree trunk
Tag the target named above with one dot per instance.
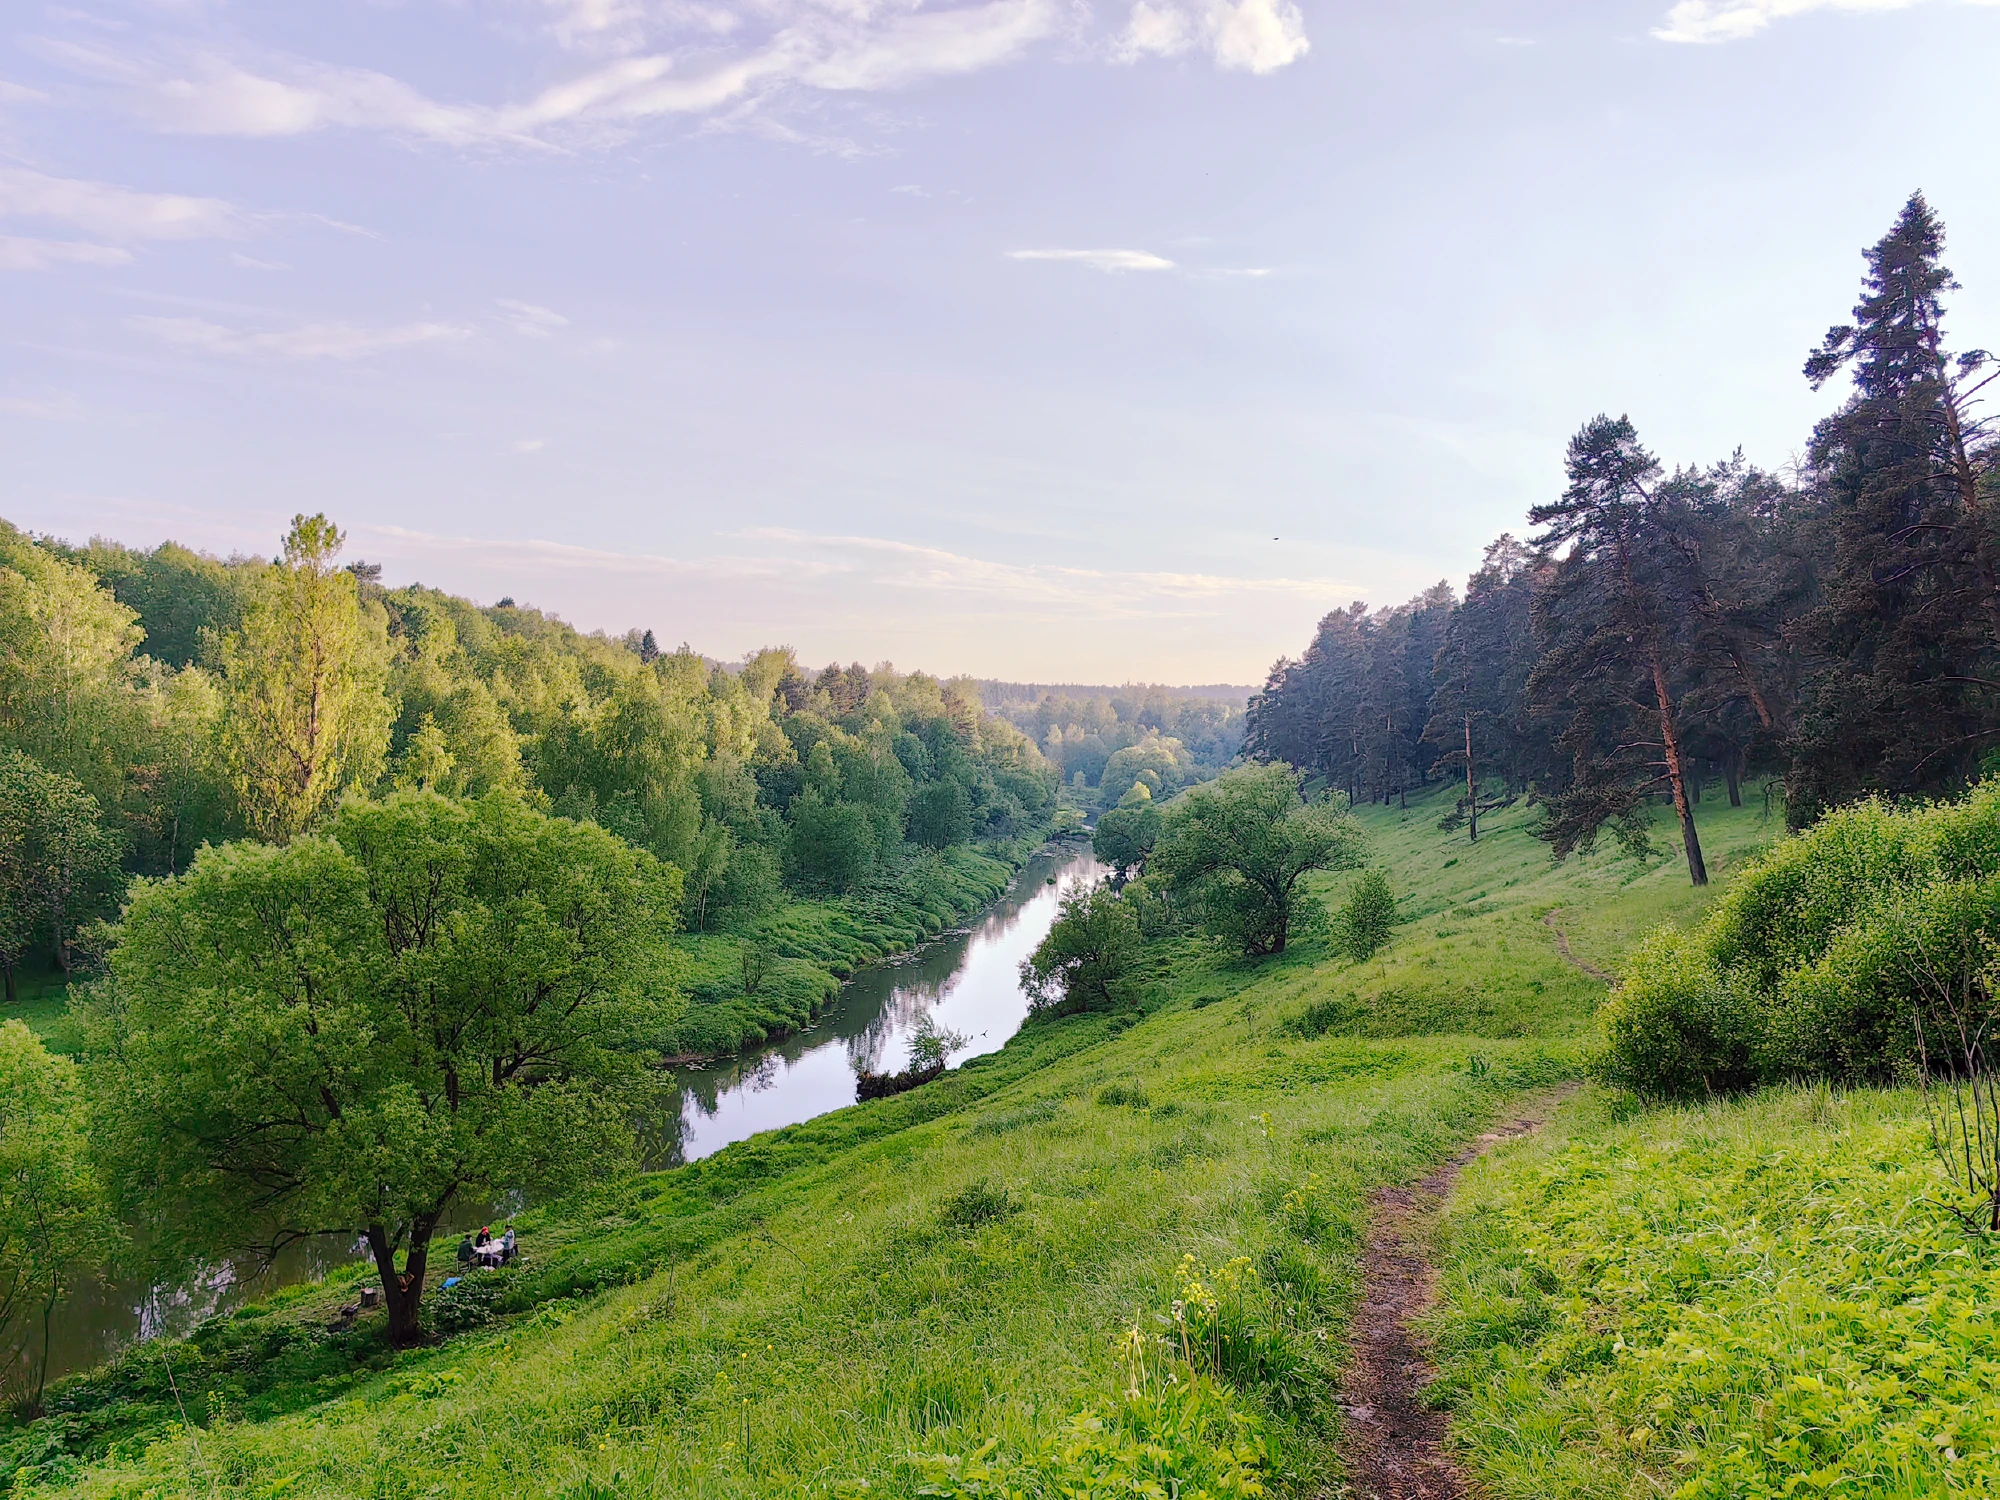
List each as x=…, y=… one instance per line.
x=13, y=995
x=1732, y=773
x=1676, y=771
x=403, y=1291
x=1471, y=785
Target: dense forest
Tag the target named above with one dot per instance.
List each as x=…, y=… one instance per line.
x=1105, y=740
x=155, y=701
x=1834, y=631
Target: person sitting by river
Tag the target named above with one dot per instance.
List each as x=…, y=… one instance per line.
x=485, y=1236
x=465, y=1252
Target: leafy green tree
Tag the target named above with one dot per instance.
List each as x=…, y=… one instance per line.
x=55, y=1223
x=1166, y=758
x=66, y=694
x=58, y=862
x=940, y=814
x=185, y=775
x=1239, y=846
x=1367, y=918
x=831, y=845
x=1087, y=960
x=432, y=1002
x=1126, y=836
x=304, y=681
x=184, y=600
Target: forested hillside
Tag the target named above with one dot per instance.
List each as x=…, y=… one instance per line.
x=1104, y=740
x=155, y=701
x=1671, y=630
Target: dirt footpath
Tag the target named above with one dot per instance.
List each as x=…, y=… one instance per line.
x=1392, y=1442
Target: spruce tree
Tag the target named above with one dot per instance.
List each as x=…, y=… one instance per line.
x=1903, y=692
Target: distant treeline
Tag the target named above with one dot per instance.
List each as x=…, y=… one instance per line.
x=1111, y=737
x=1837, y=629
x=152, y=701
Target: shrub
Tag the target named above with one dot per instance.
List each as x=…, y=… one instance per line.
x=1087, y=959
x=978, y=1202
x=1821, y=959
x=1368, y=918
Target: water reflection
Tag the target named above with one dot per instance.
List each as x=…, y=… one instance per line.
x=967, y=981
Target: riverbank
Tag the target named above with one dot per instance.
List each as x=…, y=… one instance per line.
x=862, y=1303
x=746, y=989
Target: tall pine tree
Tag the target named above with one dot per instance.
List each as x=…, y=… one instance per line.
x=1902, y=695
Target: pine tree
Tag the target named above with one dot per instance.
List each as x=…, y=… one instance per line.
x=1614, y=659
x=1903, y=691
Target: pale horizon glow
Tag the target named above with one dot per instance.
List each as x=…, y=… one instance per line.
x=1108, y=340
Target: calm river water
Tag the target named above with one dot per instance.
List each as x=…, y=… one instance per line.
x=966, y=981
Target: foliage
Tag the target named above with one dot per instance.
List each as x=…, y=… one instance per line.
x=58, y=863
x=1079, y=729
x=1126, y=837
x=1242, y=844
x=55, y=1226
x=1368, y=917
x=1718, y=1301
x=431, y=1003
x=932, y=1045
x=1088, y=957
x=304, y=680
x=1822, y=956
x=940, y=815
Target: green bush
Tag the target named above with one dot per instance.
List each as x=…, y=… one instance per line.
x=1822, y=958
x=1368, y=918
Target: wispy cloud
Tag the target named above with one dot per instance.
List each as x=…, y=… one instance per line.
x=673, y=58
x=529, y=320
x=113, y=212
x=1100, y=260
x=340, y=341
x=1253, y=36
x=17, y=254
x=1732, y=20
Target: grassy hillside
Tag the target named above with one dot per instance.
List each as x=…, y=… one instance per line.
x=1117, y=1238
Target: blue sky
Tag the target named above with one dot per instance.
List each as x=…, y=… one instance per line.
x=998, y=337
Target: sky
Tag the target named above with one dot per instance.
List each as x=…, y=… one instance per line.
x=1055, y=340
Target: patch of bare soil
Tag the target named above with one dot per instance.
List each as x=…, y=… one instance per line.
x=1392, y=1442
x=1562, y=947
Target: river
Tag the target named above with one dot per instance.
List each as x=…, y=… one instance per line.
x=967, y=981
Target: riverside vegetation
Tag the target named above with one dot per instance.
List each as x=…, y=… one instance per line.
x=427, y=949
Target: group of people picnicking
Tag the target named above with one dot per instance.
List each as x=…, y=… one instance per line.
x=483, y=1250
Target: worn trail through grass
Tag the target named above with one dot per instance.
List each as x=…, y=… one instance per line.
x=1393, y=1441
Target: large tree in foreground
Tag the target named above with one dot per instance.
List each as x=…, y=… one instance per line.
x=1239, y=847
x=431, y=1003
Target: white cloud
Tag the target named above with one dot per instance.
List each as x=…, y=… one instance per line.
x=1732, y=20
x=529, y=320
x=1255, y=36
x=833, y=46
x=17, y=254
x=251, y=263
x=20, y=93
x=1100, y=260
x=312, y=341
x=530, y=445
x=114, y=212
